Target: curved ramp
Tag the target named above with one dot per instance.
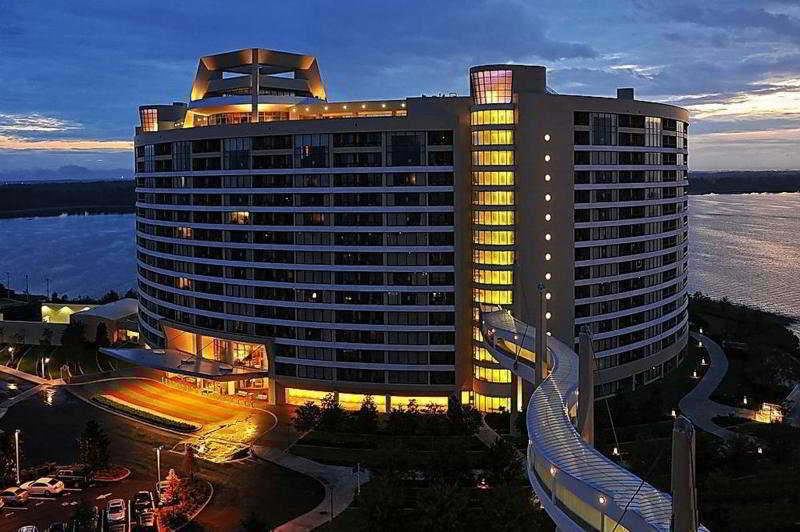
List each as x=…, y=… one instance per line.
x=578, y=486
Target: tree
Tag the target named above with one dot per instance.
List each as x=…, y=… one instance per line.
x=366, y=417
x=332, y=417
x=93, y=446
x=84, y=516
x=510, y=507
x=503, y=465
x=109, y=297
x=189, y=463
x=252, y=523
x=464, y=418
x=72, y=335
x=443, y=506
x=8, y=457
x=306, y=417
x=172, y=492
x=101, y=336
x=382, y=505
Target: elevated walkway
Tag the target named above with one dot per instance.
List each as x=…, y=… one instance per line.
x=578, y=486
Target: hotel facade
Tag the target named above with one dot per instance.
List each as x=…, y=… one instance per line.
x=303, y=246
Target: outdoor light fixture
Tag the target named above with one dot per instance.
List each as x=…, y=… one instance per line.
x=547, y=137
x=547, y=158
x=548, y=296
x=701, y=330
x=703, y=362
x=547, y=177
x=547, y=315
x=745, y=400
x=694, y=374
x=699, y=344
x=602, y=499
x=547, y=236
x=547, y=276
x=547, y=217
x=553, y=471
x=615, y=452
x=673, y=413
x=760, y=450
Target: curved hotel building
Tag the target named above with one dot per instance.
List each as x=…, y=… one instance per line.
x=304, y=246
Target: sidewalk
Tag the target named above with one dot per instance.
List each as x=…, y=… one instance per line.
x=8, y=403
x=696, y=404
x=339, y=482
x=30, y=378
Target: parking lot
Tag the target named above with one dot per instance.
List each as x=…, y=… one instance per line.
x=43, y=511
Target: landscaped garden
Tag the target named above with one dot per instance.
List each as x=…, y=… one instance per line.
x=429, y=470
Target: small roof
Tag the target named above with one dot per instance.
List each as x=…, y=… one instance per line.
x=183, y=363
x=113, y=311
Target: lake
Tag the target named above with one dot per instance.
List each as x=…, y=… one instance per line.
x=743, y=246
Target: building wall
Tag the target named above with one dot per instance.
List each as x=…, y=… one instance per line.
x=233, y=288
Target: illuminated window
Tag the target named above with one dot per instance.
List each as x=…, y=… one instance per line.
x=239, y=217
x=491, y=86
x=481, y=354
x=493, y=217
x=482, y=256
x=486, y=403
x=183, y=283
x=493, y=116
x=502, y=376
x=492, y=277
x=149, y=119
x=493, y=197
x=496, y=238
x=493, y=178
x=183, y=232
x=493, y=158
x=491, y=137
x=494, y=297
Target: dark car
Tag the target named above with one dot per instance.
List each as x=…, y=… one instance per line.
x=143, y=502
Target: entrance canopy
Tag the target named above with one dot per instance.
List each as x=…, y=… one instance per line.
x=175, y=361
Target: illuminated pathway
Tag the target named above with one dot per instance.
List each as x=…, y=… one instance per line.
x=578, y=486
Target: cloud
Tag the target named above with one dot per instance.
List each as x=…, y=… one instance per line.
x=67, y=145
x=34, y=122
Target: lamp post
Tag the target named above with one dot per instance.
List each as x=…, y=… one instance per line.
x=158, y=462
x=16, y=442
x=44, y=361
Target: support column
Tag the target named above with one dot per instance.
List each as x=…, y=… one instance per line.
x=586, y=387
x=684, y=494
x=255, y=83
x=540, y=362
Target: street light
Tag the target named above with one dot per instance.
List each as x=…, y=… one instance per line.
x=16, y=442
x=45, y=361
x=158, y=461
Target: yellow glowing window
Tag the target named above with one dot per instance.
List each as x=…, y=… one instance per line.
x=476, y=334
x=493, y=217
x=184, y=283
x=486, y=403
x=353, y=401
x=493, y=158
x=239, y=217
x=492, y=277
x=492, y=116
x=402, y=401
x=482, y=355
x=491, y=86
x=502, y=376
x=493, y=178
x=494, y=238
x=183, y=232
x=296, y=396
x=492, y=137
x=493, y=197
x=483, y=256
x=494, y=297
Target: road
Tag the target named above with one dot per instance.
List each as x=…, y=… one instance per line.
x=276, y=494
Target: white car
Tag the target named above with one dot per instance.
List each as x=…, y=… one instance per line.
x=43, y=486
x=116, y=510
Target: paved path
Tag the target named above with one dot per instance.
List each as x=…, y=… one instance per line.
x=696, y=404
x=339, y=482
x=28, y=377
x=11, y=401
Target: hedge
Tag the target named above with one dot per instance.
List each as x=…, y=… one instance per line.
x=146, y=415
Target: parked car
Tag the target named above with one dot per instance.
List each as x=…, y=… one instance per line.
x=14, y=495
x=143, y=502
x=43, y=486
x=117, y=528
x=161, y=489
x=116, y=510
x=28, y=528
x=147, y=519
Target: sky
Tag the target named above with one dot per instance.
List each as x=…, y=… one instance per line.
x=75, y=72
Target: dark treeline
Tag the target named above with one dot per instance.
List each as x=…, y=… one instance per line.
x=52, y=199
x=742, y=182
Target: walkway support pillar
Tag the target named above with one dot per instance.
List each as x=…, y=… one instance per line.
x=540, y=357
x=684, y=493
x=586, y=387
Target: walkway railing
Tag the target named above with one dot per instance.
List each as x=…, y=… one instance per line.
x=578, y=486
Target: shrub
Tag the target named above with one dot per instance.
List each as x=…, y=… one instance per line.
x=332, y=417
x=366, y=418
x=306, y=416
x=144, y=415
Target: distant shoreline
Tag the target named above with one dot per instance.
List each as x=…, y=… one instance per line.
x=54, y=198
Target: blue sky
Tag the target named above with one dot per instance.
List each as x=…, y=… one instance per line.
x=75, y=71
